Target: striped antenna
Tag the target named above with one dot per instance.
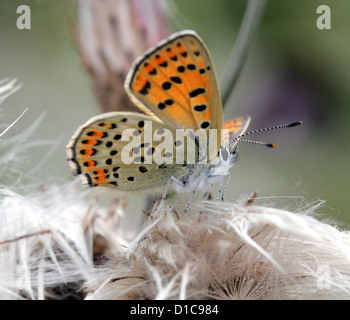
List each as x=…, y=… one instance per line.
x=270, y=145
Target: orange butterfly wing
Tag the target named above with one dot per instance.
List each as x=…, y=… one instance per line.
x=235, y=127
x=176, y=82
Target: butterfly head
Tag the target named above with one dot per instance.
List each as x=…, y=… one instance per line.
x=225, y=160
x=227, y=156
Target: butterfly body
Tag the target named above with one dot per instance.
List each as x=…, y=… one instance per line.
x=175, y=85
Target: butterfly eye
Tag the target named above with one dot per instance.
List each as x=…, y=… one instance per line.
x=224, y=154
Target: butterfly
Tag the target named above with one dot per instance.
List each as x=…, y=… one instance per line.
x=174, y=84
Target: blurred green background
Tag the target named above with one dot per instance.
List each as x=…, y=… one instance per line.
x=294, y=71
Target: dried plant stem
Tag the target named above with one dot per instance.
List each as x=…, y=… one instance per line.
x=9, y=127
x=247, y=32
x=8, y=86
x=25, y=236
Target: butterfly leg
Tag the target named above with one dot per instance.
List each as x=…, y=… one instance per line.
x=190, y=201
x=171, y=180
x=192, y=195
x=206, y=196
x=223, y=187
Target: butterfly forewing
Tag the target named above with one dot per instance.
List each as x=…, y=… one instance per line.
x=99, y=155
x=176, y=82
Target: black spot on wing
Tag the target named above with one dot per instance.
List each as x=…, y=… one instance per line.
x=166, y=85
x=145, y=88
x=145, y=145
x=181, y=69
x=153, y=72
x=184, y=54
x=191, y=66
x=150, y=151
x=205, y=124
x=178, y=143
x=113, y=152
x=200, y=107
x=136, y=133
x=117, y=137
x=196, y=92
x=143, y=169
x=176, y=80
x=161, y=106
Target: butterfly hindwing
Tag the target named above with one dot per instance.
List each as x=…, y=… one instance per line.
x=175, y=81
x=235, y=127
x=96, y=152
